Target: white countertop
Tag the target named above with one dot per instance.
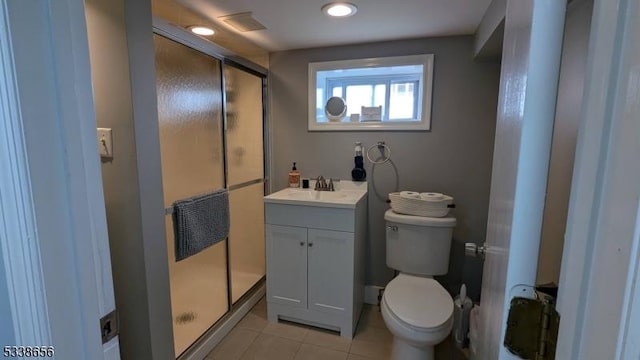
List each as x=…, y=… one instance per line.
x=347, y=195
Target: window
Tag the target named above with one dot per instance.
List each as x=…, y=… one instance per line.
x=400, y=86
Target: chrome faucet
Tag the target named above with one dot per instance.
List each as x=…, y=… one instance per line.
x=322, y=185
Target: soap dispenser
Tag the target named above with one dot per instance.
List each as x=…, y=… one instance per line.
x=358, y=173
x=294, y=177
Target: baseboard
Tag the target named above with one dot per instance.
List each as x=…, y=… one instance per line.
x=203, y=346
x=371, y=293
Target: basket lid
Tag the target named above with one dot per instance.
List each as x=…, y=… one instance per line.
x=432, y=196
x=391, y=215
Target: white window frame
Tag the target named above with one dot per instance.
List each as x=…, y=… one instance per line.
x=424, y=93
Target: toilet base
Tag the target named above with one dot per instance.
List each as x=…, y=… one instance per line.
x=403, y=350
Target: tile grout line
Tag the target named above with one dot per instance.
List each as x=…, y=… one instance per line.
x=350, y=343
x=251, y=343
x=297, y=351
x=306, y=332
x=309, y=332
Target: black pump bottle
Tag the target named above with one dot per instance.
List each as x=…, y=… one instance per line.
x=358, y=173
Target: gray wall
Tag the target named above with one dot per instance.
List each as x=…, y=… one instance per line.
x=565, y=131
x=132, y=181
x=453, y=158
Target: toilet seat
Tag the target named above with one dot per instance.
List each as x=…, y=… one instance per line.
x=420, y=303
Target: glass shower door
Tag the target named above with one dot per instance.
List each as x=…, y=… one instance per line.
x=189, y=86
x=245, y=178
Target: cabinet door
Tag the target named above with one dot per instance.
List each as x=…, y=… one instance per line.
x=287, y=265
x=330, y=283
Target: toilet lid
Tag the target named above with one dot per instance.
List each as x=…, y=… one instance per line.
x=418, y=301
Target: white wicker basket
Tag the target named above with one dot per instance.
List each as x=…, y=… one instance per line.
x=420, y=207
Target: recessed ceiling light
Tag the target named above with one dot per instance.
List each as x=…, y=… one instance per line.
x=339, y=9
x=201, y=30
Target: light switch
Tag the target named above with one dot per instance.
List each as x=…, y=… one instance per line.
x=105, y=143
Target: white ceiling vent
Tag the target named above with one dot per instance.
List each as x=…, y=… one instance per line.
x=243, y=22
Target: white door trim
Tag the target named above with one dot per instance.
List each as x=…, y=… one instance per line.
x=19, y=240
x=526, y=112
x=628, y=339
x=53, y=94
x=594, y=263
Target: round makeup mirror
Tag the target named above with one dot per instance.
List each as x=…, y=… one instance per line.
x=335, y=108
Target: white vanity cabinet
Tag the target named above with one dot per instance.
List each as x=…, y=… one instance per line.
x=315, y=263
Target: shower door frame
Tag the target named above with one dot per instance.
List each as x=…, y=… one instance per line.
x=238, y=64
x=203, y=344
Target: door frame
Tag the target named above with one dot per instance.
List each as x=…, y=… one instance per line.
x=54, y=245
x=20, y=265
x=611, y=20
x=609, y=104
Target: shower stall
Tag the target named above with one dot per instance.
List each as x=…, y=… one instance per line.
x=212, y=120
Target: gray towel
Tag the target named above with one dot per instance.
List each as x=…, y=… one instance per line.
x=200, y=222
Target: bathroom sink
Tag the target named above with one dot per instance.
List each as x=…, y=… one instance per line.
x=316, y=195
x=346, y=196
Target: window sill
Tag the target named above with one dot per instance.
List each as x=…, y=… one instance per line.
x=369, y=126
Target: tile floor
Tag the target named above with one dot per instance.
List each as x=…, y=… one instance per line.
x=256, y=338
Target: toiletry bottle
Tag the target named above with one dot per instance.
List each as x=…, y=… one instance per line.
x=358, y=173
x=358, y=149
x=294, y=177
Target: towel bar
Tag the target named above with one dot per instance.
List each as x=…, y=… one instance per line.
x=169, y=210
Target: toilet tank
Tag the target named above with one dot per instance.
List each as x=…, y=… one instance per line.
x=418, y=245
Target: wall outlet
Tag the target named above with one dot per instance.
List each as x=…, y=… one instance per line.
x=105, y=143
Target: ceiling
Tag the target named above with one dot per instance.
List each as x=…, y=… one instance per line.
x=294, y=24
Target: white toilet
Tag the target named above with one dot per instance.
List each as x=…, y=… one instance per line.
x=416, y=308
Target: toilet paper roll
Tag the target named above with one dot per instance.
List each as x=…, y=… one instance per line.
x=431, y=196
x=410, y=194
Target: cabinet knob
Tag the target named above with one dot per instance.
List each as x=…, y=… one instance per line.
x=310, y=244
x=301, y=243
